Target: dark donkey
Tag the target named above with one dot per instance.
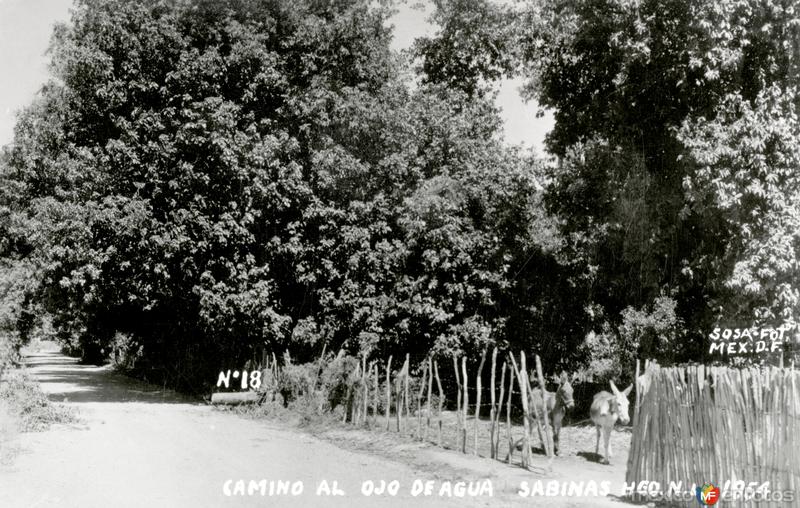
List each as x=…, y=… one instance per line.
x=556, y=404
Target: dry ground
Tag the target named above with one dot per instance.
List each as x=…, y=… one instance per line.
x=137, y=445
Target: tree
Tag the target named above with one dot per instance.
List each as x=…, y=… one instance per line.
x=475, y=45
x=200, y=181
x=652, y=101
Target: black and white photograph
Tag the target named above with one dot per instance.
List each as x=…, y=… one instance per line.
x=390, y=253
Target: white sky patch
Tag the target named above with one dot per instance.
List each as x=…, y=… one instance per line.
x=25, y=29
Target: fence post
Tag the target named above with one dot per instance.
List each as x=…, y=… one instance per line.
x=793, y=468
x=523, y=388
x=548, y=436
x=493, y=411
x=636, y=392
x=458, y=399
x=496, y=437
x=388, y=408
x=430, y=389
x=365, y=389
x=398, y=393
x=376, y=395
x=349, y=405
x=478, y=401
x=465, y=405
x=419, y=399
x=441, y=397
x=405, y=390
x=508, y=414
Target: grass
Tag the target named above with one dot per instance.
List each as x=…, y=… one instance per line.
x=22, y=400
x=25, y=408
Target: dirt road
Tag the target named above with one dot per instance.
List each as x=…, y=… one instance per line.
x=137, y=446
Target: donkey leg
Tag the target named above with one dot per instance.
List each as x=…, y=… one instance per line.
x=513, y=445
x=556, y=432
x=539, y=430
x=606, y=436
x=597, y=445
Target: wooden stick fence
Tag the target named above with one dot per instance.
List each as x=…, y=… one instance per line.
x=375, y=391
x=702, y=424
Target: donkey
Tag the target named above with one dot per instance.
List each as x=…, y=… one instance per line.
x=556, y=404
x=606, y=409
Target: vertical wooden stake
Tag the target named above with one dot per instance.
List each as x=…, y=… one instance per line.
x=430, y=389
x=508, y=414
x=548, y=435
x=496, y=436
x=478, y=402
x=465, y=405
x=637, y=394
x=350, y=407
x=357, y=394
x=376, y=395
x=534, y=414
x=365, y=389
x=441, y=397
x=523, y=387
x=398, y=396
x=458, y=401
x=419, y=399
x=405, y=389
x=492, y=411
x=355, y=403
x=321, y=365
x=388, y=408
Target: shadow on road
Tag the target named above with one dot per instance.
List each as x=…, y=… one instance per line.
x=63, y=379
x=591, y=456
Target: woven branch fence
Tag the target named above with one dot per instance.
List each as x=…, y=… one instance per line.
x=702, y=424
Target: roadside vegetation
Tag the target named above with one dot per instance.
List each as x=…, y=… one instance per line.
x=202, y=180
x=23, y=405
x=26, y=402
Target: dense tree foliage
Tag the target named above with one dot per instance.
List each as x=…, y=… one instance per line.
x=677, y=131
x=474, y=46
x=200, y=180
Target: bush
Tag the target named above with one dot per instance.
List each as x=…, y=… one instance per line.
x=26, y=401
x=125, y=351
x=338, y=376
x=298, y=382
x=9, y=355
x=651, y=332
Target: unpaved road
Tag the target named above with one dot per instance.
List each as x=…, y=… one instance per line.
x=139, y=447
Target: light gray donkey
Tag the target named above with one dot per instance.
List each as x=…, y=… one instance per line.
x=607, y=409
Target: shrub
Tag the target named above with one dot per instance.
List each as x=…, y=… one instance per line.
x=125, y=351
x=336, y=380
x=25, y=400
x=8, y=355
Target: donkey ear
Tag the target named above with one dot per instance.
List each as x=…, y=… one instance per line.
x=627, y=390
x=614, y=388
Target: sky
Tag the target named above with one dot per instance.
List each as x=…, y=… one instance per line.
x=26, y=26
